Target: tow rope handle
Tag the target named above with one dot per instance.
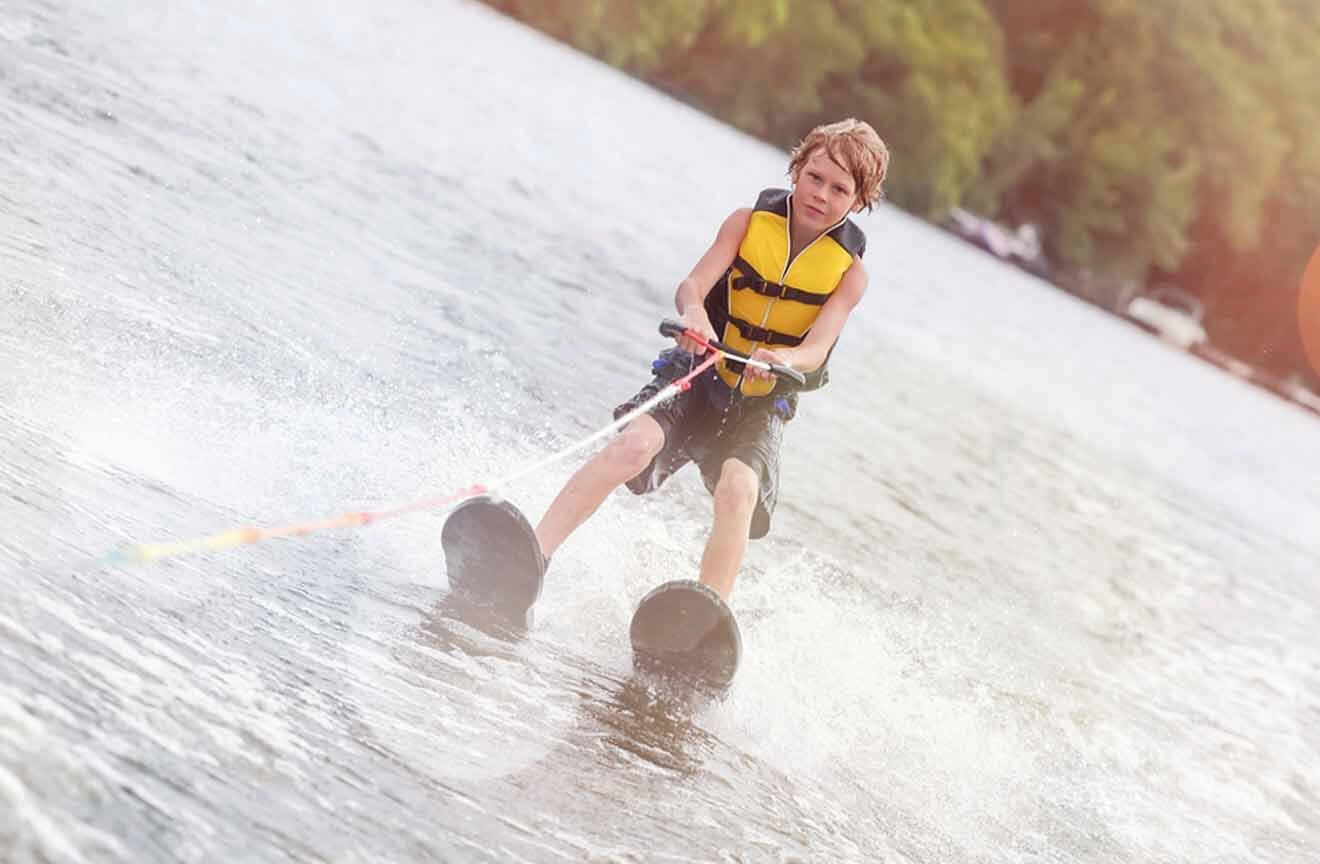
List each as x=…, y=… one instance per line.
x=673, y=329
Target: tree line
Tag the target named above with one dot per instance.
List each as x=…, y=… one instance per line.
x=1171, y=142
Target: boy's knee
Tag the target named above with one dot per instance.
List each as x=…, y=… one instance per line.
x=738, y=486
x=634, y=449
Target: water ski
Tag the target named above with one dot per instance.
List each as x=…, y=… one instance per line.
x=684, y=628
x=493, y=559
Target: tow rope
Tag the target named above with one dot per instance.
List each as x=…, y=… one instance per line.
x=149, y=553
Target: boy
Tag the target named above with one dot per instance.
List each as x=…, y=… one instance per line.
x=777, y=284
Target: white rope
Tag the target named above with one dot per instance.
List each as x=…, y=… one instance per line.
x=667, y=393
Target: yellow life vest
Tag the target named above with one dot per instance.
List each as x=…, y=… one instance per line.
x=764, y=299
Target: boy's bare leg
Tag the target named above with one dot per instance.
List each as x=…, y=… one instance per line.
x=735, y=502
x=622, y=459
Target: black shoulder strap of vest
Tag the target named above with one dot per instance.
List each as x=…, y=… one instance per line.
x=773, y=201
x=850, y=237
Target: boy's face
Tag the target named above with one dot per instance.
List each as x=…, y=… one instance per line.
x=823, y=192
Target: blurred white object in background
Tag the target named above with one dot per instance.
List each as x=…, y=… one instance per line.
x=1173, y=315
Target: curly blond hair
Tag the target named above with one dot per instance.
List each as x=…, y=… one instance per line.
x=856, y=148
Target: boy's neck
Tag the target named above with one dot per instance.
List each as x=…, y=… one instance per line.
x=799, y=239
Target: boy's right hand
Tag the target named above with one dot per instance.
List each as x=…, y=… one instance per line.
x=696, y=320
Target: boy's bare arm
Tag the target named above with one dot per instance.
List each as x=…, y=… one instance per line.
x=690, y=297
x=808, y=356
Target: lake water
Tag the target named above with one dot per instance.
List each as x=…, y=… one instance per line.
x=1040, y=589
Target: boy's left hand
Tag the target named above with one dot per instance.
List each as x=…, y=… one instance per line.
x=765, y=355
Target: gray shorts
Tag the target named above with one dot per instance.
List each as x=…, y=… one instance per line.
x=709, y=423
